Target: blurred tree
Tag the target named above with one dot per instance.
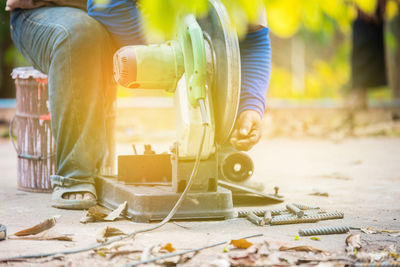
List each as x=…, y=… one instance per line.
x=6, y=47
x=393, y=8
x=284, y=16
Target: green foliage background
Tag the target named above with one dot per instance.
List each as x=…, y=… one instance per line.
x=322, y=25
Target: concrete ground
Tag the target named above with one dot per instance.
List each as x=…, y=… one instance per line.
x=362, y=177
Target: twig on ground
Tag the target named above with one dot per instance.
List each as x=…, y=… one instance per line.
x=169, y=255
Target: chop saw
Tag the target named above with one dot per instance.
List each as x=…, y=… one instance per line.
x=202, y=68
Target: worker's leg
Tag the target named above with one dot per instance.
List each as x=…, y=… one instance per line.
x=75, y=51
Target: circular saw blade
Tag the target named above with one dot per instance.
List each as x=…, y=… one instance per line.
x=225, y=86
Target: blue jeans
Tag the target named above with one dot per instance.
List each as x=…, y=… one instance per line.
x=76, y=52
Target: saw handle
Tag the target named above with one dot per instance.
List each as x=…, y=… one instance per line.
x=196, y=73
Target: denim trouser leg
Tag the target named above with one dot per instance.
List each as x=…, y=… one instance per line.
x=76, y=53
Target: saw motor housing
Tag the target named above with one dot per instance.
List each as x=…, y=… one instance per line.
x=179, y=67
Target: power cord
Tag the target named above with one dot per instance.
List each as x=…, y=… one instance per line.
x=178, y=203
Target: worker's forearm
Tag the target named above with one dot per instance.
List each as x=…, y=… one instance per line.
x=255, y=51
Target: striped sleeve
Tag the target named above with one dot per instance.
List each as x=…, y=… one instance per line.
x=255, y=55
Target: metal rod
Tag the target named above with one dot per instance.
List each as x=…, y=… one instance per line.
x=260, y=212
x=295, y=210
x=327, y=216
x=267, y=217
x=292, y=220
x=326, y=230
x=255, y=219
x=320, y=217
x=305, y=207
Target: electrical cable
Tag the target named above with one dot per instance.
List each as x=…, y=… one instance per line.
x=178, y=203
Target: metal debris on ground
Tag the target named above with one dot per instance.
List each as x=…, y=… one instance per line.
x=305, y=207
x=295, y=210
x=255, y=219
x=260, y=212
x=317, y=216
x=267, y=216
x=327, y=230
x=293, y=220
x=295, y=213
x=328, y=215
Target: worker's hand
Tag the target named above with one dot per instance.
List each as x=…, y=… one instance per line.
x=247, y=131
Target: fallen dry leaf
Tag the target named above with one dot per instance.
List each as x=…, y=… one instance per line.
x=219, y=263
x=302, y=248
x=112, y=231
x=319, y=193
x=87, y=219
x=108, y=232
x=353, y=243
x=98, y=212
x=95, y=213
x=264, y=250
x=241, y=243
x=370, y=230
x=45, y=225
x=394, y=255
x=273, y=260
x=244, y=258
x=168, y=247
x=275, y=245
x=45, y=235
x=116, y=213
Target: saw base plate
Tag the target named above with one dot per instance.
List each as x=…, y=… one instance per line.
x=153, y=203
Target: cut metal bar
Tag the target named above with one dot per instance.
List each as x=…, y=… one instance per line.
x=292, y=220
x=320, y=217
x=305, y=207
x=295, y=210
x=260, y=212
x=327, y=216
x=255, y=219
x=327, y=230
x=267, y=216
x=231, y=186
